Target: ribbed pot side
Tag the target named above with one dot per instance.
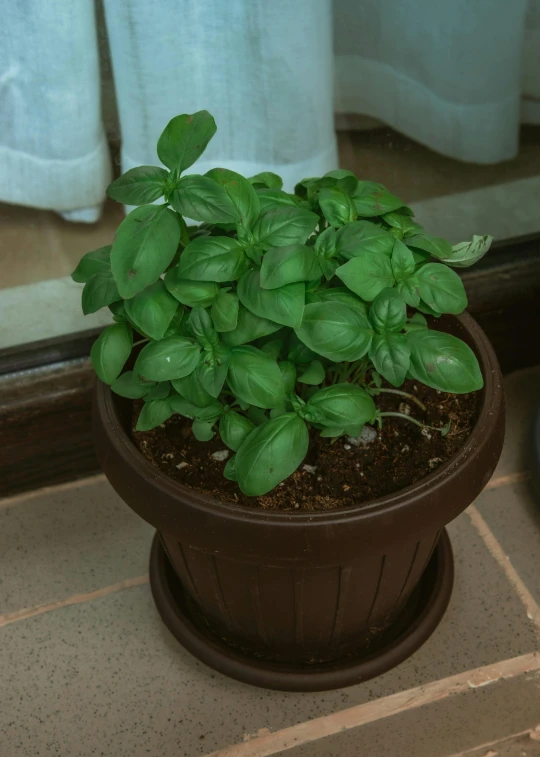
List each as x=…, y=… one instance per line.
x=299, y=587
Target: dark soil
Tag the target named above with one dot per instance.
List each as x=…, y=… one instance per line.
x=335, y=473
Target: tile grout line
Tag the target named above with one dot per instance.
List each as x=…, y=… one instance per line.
x=511, y=478
x=329, y=725
x=17, y=499
x=531, y=606
x=75, y=599
x=488, y=745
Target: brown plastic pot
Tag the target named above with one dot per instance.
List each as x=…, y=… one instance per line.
x=301, y=589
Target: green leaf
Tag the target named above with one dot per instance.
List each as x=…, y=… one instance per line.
x=366, y=275
x=139, y=186
x=332, y=432
x=288, y=375
x=340, y=294
x=168, y=359
x=255, y=378
x=441, y=288
x=443, y=362
x=111, y=350
x=271, y=198
x=241, y=193
x=436, y=246
x=145, y=244
x=374, y=200
x=329, y=268
x=207, y=414
x=130, y=386
x=409, y=288
x=184, y=139
x=284, y=305
x=175, y=327
x=417, y=321
x=314, y=374
x=287, y=265
x=325, y=244
x=298, y=353
x=202, y=328
x=99, y=291
x=345, y=180
x=153, y=414
x=212, y=369
x=234, y=428
x=423, y=308
x=337, y=206
x=190, y=293
x=282, y=226
x=152, y=310
x=192, y=390
x=202, y=431
x=256, y=415
x=224, y=311
x=158, y=391
x=388, y=311
x=267, y=179
x=200, y=198
x=270, y=453
x=361, y=237
x=249, y=328
x=403, y=263
x=342, y=405
x=466, y=254
x=273, y=348
x=97, y=261
x=336, y=331
x=406, y=226
x=391, y=356
x=212, y=259
x=229, y=471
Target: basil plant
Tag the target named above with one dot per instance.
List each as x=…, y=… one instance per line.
x=278, y=313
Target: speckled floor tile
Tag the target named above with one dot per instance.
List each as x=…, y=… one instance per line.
x=444, y=728
x=513, y=514
x=522, y=395
x=111, y=662
x=68, y=541
x=520, y=746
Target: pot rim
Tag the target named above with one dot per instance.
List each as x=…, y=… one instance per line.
x=488, y=418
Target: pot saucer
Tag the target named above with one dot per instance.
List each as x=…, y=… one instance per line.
x=411, y=629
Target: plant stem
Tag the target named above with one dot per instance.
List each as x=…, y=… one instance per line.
x=412, y=420
x=403, y=394
x=141, y=341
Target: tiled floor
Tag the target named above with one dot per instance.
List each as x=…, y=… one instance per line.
x=89, y=669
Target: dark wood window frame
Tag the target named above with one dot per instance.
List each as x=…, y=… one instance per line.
x=46, y=387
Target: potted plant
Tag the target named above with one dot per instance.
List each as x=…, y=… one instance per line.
x=292, y=395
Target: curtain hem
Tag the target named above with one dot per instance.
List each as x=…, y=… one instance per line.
x=479, y=133
x=54, y=184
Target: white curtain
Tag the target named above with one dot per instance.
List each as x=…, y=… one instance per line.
x=445, y=72
x=448, y=74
